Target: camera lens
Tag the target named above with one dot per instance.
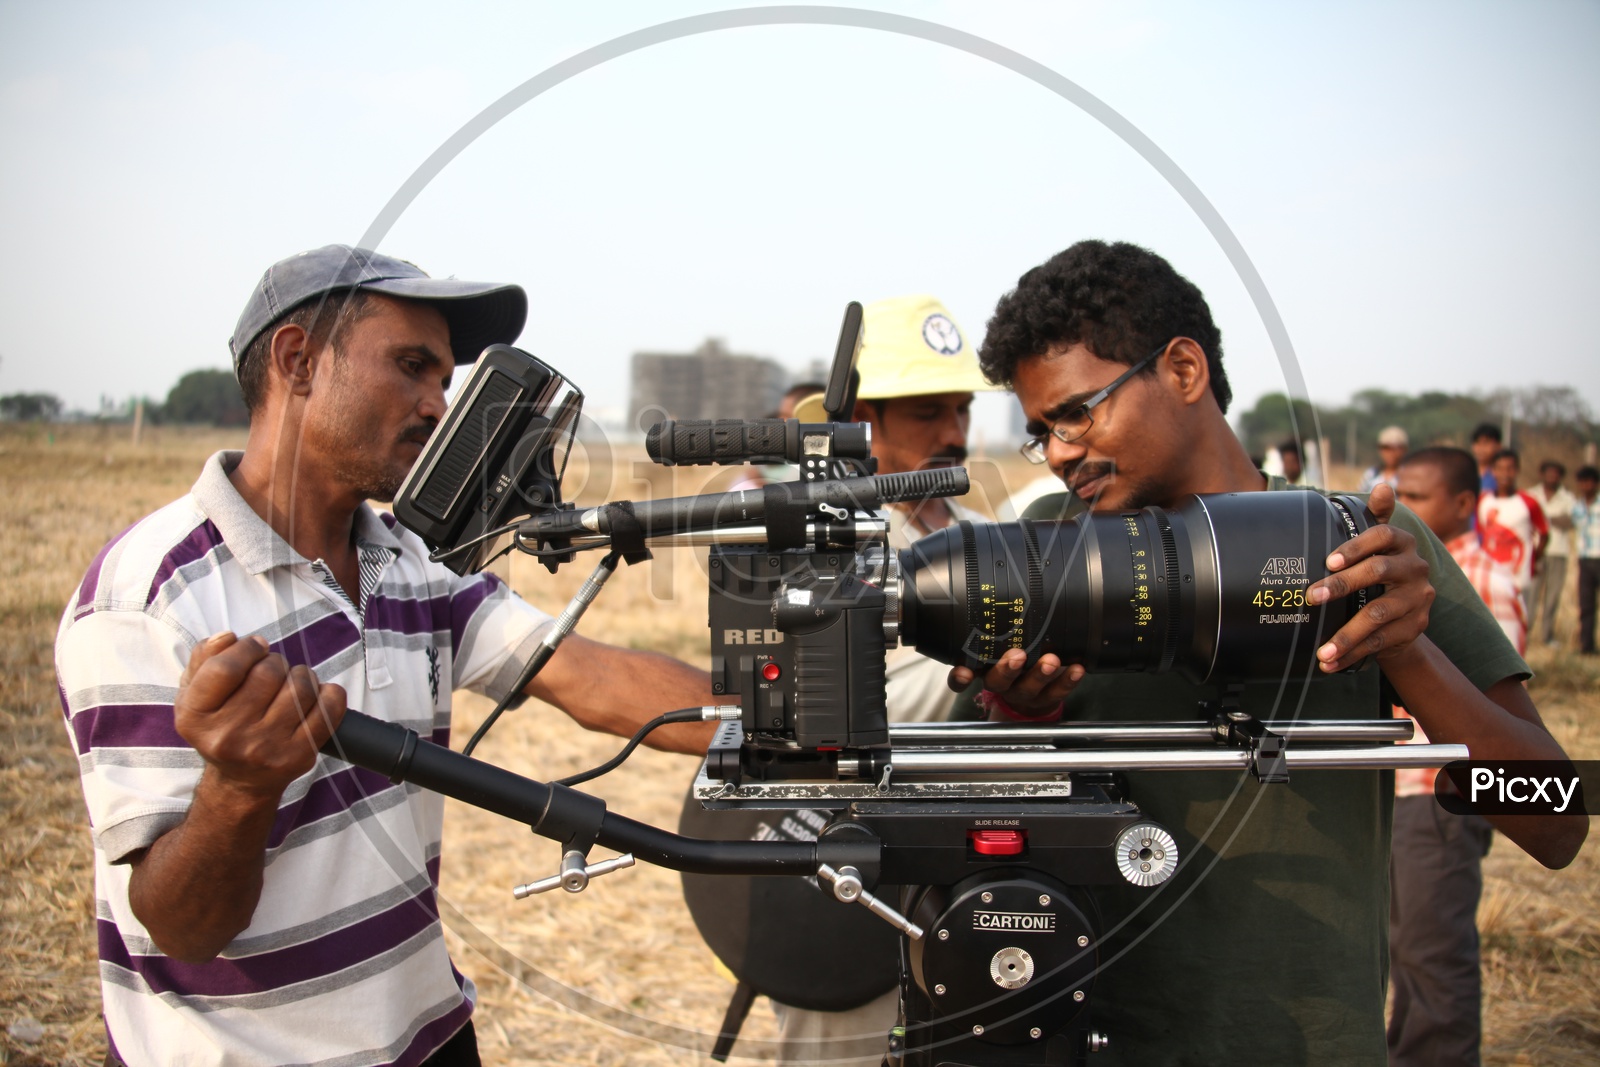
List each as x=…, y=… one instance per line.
x=1213, y=589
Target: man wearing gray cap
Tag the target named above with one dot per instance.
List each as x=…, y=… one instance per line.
x=257, y=902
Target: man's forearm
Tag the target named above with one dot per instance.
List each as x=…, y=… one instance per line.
x=617, y=690
x=197, y=887
x=1502, y=724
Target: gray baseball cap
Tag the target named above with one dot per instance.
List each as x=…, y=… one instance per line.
x=479, y=314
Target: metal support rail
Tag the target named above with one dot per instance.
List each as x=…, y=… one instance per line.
x=977, y=761
x=864, y=530
x=996, y=733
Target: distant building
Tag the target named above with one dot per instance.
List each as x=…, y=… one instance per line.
x=708, y=383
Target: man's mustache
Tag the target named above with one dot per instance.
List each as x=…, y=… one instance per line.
x=417, y=434
x=1084, y=473
x=953, y=457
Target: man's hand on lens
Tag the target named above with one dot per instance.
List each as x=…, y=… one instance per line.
x=1384, y=555
x=1030, y=692
x=257, y=722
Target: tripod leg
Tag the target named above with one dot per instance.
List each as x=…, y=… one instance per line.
x=744, y=995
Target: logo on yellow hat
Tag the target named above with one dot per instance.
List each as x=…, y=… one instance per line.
x=941, y=334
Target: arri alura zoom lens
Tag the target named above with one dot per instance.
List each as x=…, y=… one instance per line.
x=1214, y=589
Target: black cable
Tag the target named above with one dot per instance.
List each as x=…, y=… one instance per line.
x=541, y=656
x=539, y=553
x=682, y=715
x=542, y=552
x=483, y=727
x=487, y=535
x=516, y=542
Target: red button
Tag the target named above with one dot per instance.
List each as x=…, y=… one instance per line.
x=770, y=672
x=998, y=842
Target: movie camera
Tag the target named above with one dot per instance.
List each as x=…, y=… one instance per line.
x=975, y=848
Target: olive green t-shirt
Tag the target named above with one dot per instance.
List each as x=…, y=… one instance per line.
x=1270, y=944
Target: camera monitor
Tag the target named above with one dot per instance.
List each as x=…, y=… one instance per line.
x=496, y=458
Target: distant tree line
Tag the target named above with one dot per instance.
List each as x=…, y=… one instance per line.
x=1553, y=418
x=208, y=396
x=1547, y=419
x=204, y=397
x=30, y=407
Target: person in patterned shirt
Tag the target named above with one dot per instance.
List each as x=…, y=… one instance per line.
x=1435, y=870
x=260, y=902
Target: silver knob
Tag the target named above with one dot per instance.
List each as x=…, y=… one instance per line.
x=574, y=878
x=1146, y=854
x=847, y=885
x=846, y=882
x=575, y=875
x=1011, y=968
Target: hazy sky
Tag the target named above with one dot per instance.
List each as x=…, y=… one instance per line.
x=1414, y=182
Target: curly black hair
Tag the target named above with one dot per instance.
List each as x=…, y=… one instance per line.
x=1120, y=301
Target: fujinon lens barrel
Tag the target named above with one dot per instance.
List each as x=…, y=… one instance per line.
x=1214, y=588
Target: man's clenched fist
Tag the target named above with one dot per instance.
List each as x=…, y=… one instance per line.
x=257, y=722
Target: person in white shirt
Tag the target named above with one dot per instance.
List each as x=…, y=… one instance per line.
x=1551, y=578
x=1586, y=530
x=1511, y=524
x=1393, y=443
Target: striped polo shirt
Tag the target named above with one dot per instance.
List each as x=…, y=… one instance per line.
x=344, y=960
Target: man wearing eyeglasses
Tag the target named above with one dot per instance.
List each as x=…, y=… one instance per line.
x=1268, y=945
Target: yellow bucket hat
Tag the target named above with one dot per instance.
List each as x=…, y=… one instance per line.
x=910, y=346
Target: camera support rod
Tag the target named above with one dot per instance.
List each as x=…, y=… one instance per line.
x=949, y=733
x=1371, y=757
x=859, y=531
x=653, y=518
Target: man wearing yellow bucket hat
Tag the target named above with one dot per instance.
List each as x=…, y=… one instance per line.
x=918, y=375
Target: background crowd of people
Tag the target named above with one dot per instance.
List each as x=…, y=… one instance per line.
x=1545, y=535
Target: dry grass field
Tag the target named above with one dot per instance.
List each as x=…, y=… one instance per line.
x=616, y=974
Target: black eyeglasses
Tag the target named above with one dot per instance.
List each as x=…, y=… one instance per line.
x=1075, y=423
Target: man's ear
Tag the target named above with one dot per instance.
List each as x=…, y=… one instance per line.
x=1186, y=370
x=1466, y=506
x=290, y=359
